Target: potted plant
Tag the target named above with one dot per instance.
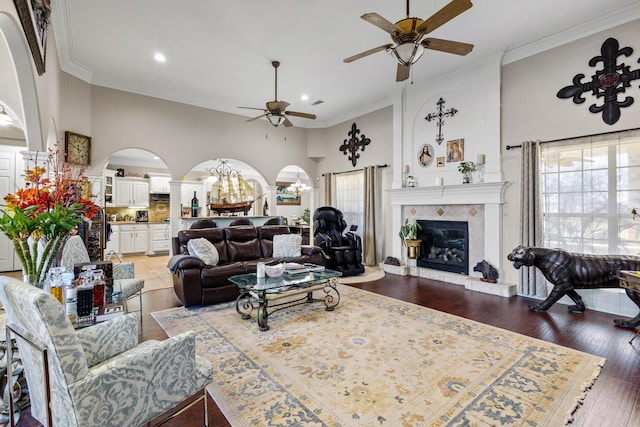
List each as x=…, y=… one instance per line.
x=409, y=236
x=465, y=168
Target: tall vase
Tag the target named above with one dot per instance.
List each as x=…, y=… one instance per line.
x=466, y=178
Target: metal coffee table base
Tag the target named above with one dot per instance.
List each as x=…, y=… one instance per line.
x=267, y=305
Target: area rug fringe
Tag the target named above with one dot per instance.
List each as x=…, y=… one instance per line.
x=586, y=387
x=379, y=361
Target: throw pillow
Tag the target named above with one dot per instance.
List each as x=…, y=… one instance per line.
x=287, y=245
x=203, y=249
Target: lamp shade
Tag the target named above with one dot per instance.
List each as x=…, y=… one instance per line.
x=408, y=53
x=275, y=119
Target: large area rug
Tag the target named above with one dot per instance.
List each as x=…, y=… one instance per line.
x=377, y=361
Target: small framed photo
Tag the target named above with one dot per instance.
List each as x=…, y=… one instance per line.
x=455, y=150
x=34, y=17
x=440, y=161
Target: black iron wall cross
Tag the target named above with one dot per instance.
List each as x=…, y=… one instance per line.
x=440, y=115
x=353, y=144
x=606, y=83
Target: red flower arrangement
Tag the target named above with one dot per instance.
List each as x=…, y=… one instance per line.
x=49, y=208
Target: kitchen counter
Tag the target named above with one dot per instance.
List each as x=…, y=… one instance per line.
x=137, y=222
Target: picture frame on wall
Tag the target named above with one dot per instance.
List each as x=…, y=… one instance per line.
x=283, y=197
x=455, y=150
x=440, y=161
x=34, y=17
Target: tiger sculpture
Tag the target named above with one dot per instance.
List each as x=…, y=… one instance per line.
x=569, y=271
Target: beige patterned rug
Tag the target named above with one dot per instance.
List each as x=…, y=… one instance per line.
x=377, y=361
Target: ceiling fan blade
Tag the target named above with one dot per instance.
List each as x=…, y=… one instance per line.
x=256, y=118
x=382, y=23
x=444, y=15
x=367, y=52
x=277, y=106
x=403, y=72
x=448, y=46
x=303, y=115
x=252, y=108
x=287, y=123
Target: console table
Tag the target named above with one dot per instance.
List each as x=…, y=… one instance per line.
x=266, y=291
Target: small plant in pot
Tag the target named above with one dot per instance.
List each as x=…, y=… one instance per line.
x=465, y=168
x=409, y=236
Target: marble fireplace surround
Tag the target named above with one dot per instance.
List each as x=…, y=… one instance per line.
x=480, y=204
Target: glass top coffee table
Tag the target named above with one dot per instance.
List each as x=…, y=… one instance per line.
x=265, y=292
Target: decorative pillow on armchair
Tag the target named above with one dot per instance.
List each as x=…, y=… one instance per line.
x=287, y=245
x=203, y=249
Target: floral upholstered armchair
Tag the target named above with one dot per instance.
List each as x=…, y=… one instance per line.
x=100, y=375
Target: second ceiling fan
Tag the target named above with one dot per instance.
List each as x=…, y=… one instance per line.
x=408, y=33
x=275, y=110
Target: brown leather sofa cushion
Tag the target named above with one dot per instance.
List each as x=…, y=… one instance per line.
x=243, y=243
x=266, y=237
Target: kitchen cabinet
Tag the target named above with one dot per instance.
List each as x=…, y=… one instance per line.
x=113, y=244
x=159, y=183
x=188, y=187
x=131, y=192
x=160, y=237
x=133, y=238
x=107, y=194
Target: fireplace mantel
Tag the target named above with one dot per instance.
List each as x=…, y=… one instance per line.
x=488, y=194
x=480, y=193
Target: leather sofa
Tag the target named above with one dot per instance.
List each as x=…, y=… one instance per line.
x=240, y=248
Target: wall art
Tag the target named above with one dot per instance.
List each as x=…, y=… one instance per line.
x=425, y=155
x=34, y=17
x=283, y=197
x=455, y=150
x=440, y=161
x=440, y=115
x=354, y=143
x=607, y=83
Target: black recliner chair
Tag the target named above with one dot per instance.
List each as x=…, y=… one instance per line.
x=343, y=251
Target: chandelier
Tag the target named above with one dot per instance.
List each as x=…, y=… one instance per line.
x=297, y=188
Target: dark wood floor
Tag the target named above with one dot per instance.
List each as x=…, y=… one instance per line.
x=614, y=400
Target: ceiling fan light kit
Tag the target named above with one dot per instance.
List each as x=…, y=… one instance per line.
x=407, y=35
x=407, y=53
x=275, y=111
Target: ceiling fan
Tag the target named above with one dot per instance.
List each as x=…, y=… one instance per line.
x=275, y=111
x=408, y=33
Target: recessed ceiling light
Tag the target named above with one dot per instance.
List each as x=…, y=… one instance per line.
x=156, y=158
x=304, y=97
x=160, y=57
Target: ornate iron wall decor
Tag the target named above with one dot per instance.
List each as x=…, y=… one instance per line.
x=606, y=83
x=353, y=144
x=440, y=115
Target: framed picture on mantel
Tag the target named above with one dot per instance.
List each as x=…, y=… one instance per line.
x=283, y=197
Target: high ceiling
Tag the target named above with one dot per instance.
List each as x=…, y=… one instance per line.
x=219, y=52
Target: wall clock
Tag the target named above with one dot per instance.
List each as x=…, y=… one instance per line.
x=77, y=148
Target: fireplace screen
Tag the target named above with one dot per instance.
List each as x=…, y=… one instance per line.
x=445, y=246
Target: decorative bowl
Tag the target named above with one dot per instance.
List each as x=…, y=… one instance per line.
x=274, y=270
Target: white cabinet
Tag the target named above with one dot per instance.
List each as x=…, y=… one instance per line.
x=159, y=183
x=113, y=244
x=187, y=193
x=160, y=237
x=133, y=238
x=131, y=192
x=108, y=187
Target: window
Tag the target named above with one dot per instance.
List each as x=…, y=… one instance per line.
x=349, y=193
x=589, y=186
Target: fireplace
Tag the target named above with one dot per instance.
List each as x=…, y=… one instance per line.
x=445, y=246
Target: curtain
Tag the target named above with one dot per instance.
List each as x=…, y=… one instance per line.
x=329, y=180
x=371, y=233
x=531, y=280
